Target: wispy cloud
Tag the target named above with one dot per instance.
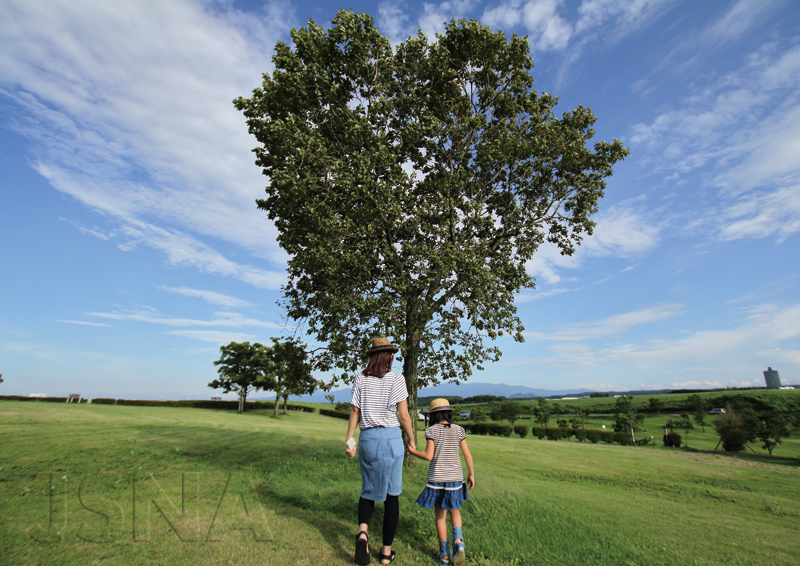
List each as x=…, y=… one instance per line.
x=613, y=325
x=212, y=336
x=83, y=323
x=225, y=319
x=622, y=232
x=208, y=296
x=131, y=115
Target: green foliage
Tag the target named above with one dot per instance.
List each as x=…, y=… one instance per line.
x=288, y=370
x=735, y=428
x=521, y=430
x=244, y=368
x=330, y=398
x=672, y=439
x=626, y=416
x=483, y=399
x=598, y=394
x=655, y=404
x=411, y=186
x=771, y=428
x=541, y=412
x=337, y=414
x=478, y=415
x=489, y=428
x=343, y=407
x=506, y=411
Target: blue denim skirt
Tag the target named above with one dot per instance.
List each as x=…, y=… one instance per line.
x=380, y=454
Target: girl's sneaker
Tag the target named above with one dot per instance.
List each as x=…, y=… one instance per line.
x=459, y=550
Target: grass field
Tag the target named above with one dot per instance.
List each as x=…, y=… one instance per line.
x=104, y=484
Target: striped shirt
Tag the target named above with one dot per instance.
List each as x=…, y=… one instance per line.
x=377, y=398
x=446, y=463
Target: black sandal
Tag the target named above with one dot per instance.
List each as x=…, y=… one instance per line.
x=390, y=557
x=362, y=548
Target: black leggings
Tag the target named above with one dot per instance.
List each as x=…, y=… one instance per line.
x=391, y=516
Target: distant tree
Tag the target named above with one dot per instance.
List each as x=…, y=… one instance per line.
x=656, y=404
x=456, y=412
x=478, y=415
x=626, y=418
x=580, y=414
x=597, y=394
x=343, y=407
x=562, y=423
x=735, y=430
x=483, y=399
x=556, y=410
x=699, y=407
x=506, y=411
x=772, y=428
x=684, y=423
x=244, y=368
x=290, y=372
x=330, y=398
x=542, y=412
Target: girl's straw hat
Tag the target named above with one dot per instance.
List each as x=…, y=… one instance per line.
x=381, y=345
x=439, y=405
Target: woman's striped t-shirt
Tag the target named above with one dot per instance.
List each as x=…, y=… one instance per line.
x=377, y=398
x=446, y=463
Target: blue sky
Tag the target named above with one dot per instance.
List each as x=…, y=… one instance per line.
x=132, y=247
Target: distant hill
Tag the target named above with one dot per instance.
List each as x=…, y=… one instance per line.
x=463, y=390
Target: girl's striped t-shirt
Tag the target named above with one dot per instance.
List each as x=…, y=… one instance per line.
x=446, y=463
x=377, y=398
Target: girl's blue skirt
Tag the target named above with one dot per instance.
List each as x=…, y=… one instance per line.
x=447, y=495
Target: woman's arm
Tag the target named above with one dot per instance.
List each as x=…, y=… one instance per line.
x=355, y=416
x=428, y=454
x=470, y=467
x=405, y=422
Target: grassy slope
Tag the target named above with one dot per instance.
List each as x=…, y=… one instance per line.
x=537, y=502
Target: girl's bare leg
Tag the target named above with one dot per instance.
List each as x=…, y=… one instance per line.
x=441, y=523
x=455, y=519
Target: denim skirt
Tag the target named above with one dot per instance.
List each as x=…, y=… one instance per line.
x=444, y=495
x=380, y=455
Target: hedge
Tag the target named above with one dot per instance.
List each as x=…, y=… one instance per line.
x=332, y=413
x=488, y=428
x=521, y=430
x=201, y=404
x=103, y=401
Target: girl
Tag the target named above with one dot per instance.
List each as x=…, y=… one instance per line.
x=446, y=489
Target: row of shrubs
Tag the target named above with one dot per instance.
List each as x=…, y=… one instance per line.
x=332, y=413
x=582, y=435
x=45, y=399
x=200, y=404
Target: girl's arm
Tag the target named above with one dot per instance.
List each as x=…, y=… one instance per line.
x=355, y=416
x=428, y=454
x=470, y=467
x=405, y=422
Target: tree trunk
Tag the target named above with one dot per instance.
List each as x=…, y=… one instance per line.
x=277, y=402
x=285, y=398
x=242, y=398
x=410, y=371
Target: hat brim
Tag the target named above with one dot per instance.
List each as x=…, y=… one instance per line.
x=384, y=348
x=442, y=408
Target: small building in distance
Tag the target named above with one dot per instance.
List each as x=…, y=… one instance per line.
x=772, y=379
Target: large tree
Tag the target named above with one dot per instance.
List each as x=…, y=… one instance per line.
x=290, y=370
x=411, y=186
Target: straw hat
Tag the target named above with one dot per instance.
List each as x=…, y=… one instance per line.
x=381, y=345
x=439, y=405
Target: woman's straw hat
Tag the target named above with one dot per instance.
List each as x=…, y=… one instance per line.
x=381, y=345
x=439, y=405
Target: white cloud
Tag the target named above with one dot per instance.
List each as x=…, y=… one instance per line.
x=742, y=133
x=393, y=21
x=540, y=17
x=207, y=296
x=227, y=319
x=434, y=16
x=616, y=324
x=625, y=15
x=130, y=110
x=621, y=232
x=212, y=336
x=83, y=323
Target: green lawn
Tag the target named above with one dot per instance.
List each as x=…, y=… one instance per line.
x=536, y=502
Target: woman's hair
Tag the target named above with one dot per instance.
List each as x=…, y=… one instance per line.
x=438, y=416
x=379, y=363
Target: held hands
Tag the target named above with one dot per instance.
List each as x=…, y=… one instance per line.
x=471, y=481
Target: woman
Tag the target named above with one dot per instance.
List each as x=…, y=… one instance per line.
x=379, y=408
